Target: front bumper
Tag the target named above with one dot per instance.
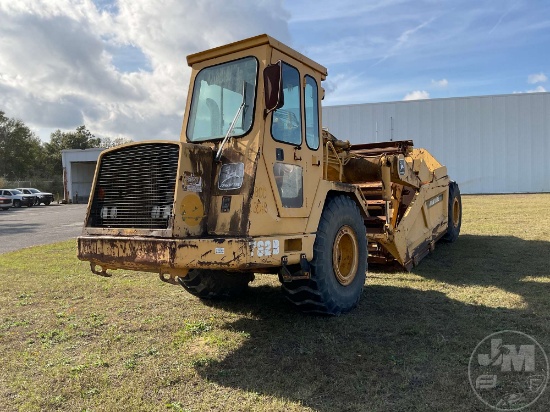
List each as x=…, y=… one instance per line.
x=169, y=255
x=45, y=198
x=26, y=201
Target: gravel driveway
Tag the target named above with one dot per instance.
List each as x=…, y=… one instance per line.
x=39, y=225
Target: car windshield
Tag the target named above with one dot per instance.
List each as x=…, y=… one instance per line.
x=218, y=94
x=34, y=190
x=17, y=192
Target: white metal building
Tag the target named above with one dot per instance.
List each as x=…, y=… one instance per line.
x=490, y=144
x=78, y=173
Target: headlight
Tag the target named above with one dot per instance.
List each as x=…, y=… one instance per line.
x=155, y=212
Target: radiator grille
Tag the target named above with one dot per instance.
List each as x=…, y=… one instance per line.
x=135, y=187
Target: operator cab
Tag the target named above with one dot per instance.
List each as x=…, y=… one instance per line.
x=256, y=104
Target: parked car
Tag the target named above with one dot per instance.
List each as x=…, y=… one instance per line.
x=41, y=197
x=19, y=198
x=5, y=203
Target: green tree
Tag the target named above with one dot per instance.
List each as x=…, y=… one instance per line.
x=21, y=151
x=82, y=138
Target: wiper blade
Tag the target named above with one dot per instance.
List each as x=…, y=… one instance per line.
x=227, y=135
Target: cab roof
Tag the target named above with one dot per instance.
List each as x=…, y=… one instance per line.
x=262, y=39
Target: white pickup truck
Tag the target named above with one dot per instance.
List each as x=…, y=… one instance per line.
x=18, y=197
x=41, y=197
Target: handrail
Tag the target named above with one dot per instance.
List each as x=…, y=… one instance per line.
x=330, y=146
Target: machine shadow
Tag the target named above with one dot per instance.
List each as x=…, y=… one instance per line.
x=14, y=228
x=400, y=349
x=506, y=262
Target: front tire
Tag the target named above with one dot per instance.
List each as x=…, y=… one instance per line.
x=17, y=203
x=339, y=265
x=215, y=284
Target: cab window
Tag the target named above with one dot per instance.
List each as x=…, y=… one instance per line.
x=311, y=113
x=218, y=94
x=286, y=125
x=290, y=183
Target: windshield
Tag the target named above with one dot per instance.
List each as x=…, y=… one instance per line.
x=34, y=190
x=17, y=192
x=217, y=96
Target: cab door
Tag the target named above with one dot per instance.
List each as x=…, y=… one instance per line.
x=292, y=149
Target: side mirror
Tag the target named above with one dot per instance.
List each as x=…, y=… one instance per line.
x=273, y=90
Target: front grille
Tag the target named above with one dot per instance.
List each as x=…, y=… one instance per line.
x=135, y=187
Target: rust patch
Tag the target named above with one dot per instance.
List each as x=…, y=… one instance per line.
x=172, y=254
x=185, y=245
x=195, y=179
x=238, y=224
x=344, y=187
x=427, y=246
x=235, y=222
x=222, y=263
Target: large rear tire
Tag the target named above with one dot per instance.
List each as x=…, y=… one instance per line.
x=455, y=213
x=339, y=264
x=215, y=284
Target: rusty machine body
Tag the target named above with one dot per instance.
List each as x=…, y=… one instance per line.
x=256, y=186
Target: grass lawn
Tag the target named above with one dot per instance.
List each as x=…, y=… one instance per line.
x=70, y=340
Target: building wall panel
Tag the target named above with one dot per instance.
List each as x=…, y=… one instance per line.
x=490, y=144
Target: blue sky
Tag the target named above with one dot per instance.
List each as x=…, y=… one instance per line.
x=119, y=66
x=435, y=48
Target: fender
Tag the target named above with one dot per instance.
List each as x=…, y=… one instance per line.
x=327, y=187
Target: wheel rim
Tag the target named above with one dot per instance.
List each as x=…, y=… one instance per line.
x=456, y=212
x=345, y=255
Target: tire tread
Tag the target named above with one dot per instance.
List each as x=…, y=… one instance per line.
x=215, y=284
x=314, y=295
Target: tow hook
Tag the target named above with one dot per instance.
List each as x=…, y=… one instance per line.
x=171, y=278
x=100, y=272
x=303, y=273
x=174, y=278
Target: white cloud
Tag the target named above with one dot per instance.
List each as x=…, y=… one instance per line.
x=536, y=78
x=538, y=89
x=443, y=83
x=59, y=59
x=417, y=95
x=317, y=11
x=500, y=19
x=404, y=38
x=349, y=87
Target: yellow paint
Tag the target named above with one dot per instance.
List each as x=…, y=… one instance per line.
x=257, y=211
x=192, y=209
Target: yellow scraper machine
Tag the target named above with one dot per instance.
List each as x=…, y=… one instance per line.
x=255, y=185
